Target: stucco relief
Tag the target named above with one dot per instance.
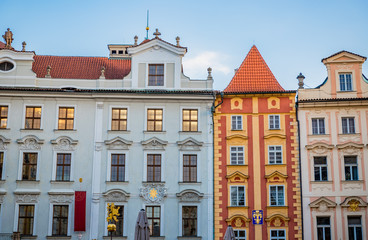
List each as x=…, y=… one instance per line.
x=354, y=204
x=322, y=204
x=4, y=142
x=61, y=198
x=116, y=195
x=2, y=198
x=30, y=142
x=238, y=221
x=154, y=144
x=153, y=192
x=189, y=144
x=64, y=143
x=26, y=198
x=189, y=195
x=319, y=148
x=349, y=186
x=277, y=220
x=344, y=67
x=321, y=187
x=118, y=143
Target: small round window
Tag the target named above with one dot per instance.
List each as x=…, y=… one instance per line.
x=6, y=66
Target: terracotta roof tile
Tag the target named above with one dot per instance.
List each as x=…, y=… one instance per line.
x=253, y=75
x=81, y=67
x=2, y=45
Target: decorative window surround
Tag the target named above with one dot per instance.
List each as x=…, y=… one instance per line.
x=30, y=142
x=181, y=220
x=26, y=198
x=181, y=166
x=154, y=143
x=64, y=143
x=108, y=165
x=190, y=195
x=60, y=198
x=353, y=204
x=189, y=144
x=118, y=143
x=119, y=198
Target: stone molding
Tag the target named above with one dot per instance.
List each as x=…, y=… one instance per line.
x=64, y=143
x=116, y=195
x=30, y=142
x=189, y=144
x=322, y=204
x=189, y=195
x=118, y=143
x=26, y=197
x=61, y=197
x=4, y=142
x=154, y=143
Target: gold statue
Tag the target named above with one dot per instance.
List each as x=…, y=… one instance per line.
x=8, y=37
x=112, y=212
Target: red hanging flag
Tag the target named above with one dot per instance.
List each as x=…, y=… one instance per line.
x=80, y=211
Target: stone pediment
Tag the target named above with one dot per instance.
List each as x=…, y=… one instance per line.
x=344, y=57
x=30, y=142
x=277, y=220
x=275, y=135
x=239, y=136
x=157, y=44
x=189, y=195
x=189, y=144
x=319, y=147
x=276, y=177
x=116, y=195
x=237, y=177
x=118, y=143
x=353, y=203
x=238, y=221
x=64, y=143
x=154, y=144
x=3, y=142
x=322, y=204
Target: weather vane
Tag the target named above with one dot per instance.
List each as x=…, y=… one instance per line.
x=147, y=28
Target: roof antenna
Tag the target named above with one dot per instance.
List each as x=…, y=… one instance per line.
x=147, y=28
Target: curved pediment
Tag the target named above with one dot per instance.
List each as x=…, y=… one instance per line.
x=275, y=135
x=118, y=143
x=154, y=143
x=237, y=136
x=277, y=220
x=238, y=221
x=353, y=203
x=350, y=145
x=116, y=195
x=30, y=142
x=322, y=204
x=276, y=177
x=319, y=147
x=237, y=177
x=189, y=144
x=189, y=195
x=64, y=143
x=3, y=142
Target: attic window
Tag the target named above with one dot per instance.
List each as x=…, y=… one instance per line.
x=121, y=52
x=156, y=75
x=345, y=82
x=113, y=52
x=6, y=66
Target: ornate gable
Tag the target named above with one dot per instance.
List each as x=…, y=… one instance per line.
x=276, y=177
x=64, y=143
x=189, y=144
x=30, y=142
x=154, y=144
x=189, y=195
x=237, y=177
x=322, y=204
x=118, y=143
x=116, y=195
x=353, y=203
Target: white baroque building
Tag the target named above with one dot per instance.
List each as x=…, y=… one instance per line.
x=80, y=132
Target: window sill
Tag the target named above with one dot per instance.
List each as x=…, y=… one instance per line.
x=30, y=129
x=237, y=165
x=348, y=91
x=158, y=237
x=60, y=182
x=25, y=237
x=27, y=181
x=275, y=164
x=190, y=132
x=58, y=237
x=153, y=132
x=238, y=207
x=321, y=182
x=189, y=183
x=115, y=237
x=279, y=207
x=189, y=238
x=319, y=135
x=153, y=182
x=118, y=131
x=348, y=134
x=2, y=181
x=65, y=130
x=274, y=129
x=352, y=181
x=117, y=182
x=4, y=128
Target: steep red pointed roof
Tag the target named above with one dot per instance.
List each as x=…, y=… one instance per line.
x=253, y=75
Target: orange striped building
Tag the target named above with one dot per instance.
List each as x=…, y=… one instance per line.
x=256, y=164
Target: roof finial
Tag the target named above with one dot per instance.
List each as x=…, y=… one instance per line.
x=135, y=40
x=147, y=28
x=103, y=72
x=24, y=46
x=48, y=71
x=209, y=76
x=300, y=78
x=177, y=41
x=157, y=33
x=8, y=37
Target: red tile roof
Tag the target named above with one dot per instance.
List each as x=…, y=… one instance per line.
x=2, y=45
x=253, y=75
x=80, y=67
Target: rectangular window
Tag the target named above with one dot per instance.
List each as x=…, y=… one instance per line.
x=190, y=120
x=190, y=168
x=26, y=219
x=240, y=235
x=320, y=169
x=63, y=166
x=345, y=82
x=318, y=126
x=237, y=155
x=154, y=168
x=189, y=221
x=3, y=116
x=236, y=123
x=29, y=166
x=33, y=118
x=120, y=223
x=154, y=120
x=274, y=154
x=60, y=220
x=351, y=168
x=237, y=195
x=154, y=220
x=117, y=167
x=348, y=125
x=355, y=228
x=119, y=119
x=323, y=228
x=278, y=234
x=66, y=118
x=277, y=196
x=1, y=164
x=274, y=121
x=156, y=75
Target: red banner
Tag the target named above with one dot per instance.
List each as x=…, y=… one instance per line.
x=80, y=211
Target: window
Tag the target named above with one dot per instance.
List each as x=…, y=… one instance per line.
x=277, y=196
x=26, y=219
x=29, y=171
x=156, y=75
x=237, y=195
x=237, y=155
x=3, y=116
x=60, y=220
x=274, y=154
x=6, y=66
x=1, y=164
x=318, y=126
x=189, y=220
x=348, y=125
x=274, y=121
x=154, y=220
x=323, y=228
x=190, y=120
x=117, y=167
x=119, y=119
x=33, y=118
x=345, y=82
x=236, y=123
x=154, y=120
x=120, y=223
x=351, y=168
x=278, y=235
x=189, y=168
x=63, y=166
x=66, y=118
x=355, y=228
x=240, y=235
x=320, y=169
x=153, y=168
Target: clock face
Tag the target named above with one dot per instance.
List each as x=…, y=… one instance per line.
x=152, y=195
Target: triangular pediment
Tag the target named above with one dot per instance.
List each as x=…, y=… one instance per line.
x=344, y=56
x=319, y=147
x=237, y=177
x=276, y=177
x=189, y=144
x=154, y=143
x=64, y=143
x=157, y=44
x=323, y=203
x=118, y=143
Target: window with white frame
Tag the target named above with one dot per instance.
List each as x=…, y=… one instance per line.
x=60, y=220
x=355, y=228
x=189, y=168
x=26, y=219
x=33, y=117
x=29, y=170
x=237, y=155
x=351, y=168
x=236, y=123
x=1, y=165
x=320, y=169
x=119, y=119
x=3, y=116
x=345, y=82
x=278, y=234
x=154, y=120
x=154, y=220
x=63, y=166
x=190, y=120
x=189, y=220
x=66, y=118
x=318, y=126
x=323, y=228
x=277, y=196
x=153, y=167
x=240, y=234
x=274, y=121
x=155, y=74
x=117, y=168
x=237, y=195
x=275, y=154
x=120, y=223
x=348, y=125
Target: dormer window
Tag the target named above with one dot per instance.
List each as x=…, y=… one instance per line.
x=345, y=82
x=156, y=75
x=113, y=52
x=6, y=66
x=121, y=52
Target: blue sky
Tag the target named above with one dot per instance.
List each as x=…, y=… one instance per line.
x=292, y=35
